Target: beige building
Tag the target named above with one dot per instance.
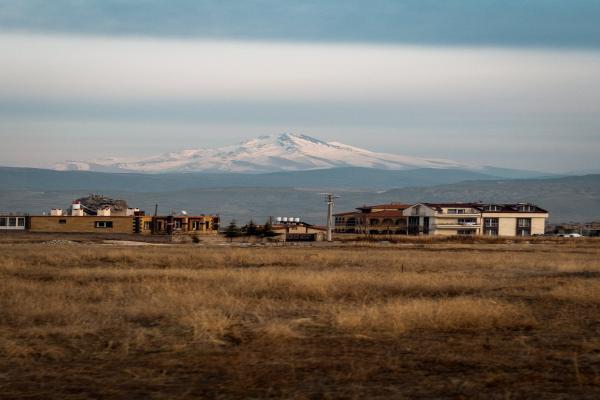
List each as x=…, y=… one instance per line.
x=476, y=219
x=513, y=220
x=299, y=232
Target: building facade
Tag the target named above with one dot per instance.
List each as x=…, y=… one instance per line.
x=299, y=232
x=121, y=224
x=181, y=224
x=81, y=224
x=513, y=220
x=449, y=219
x=443, y=219
x=99, y=214
x=373, y=220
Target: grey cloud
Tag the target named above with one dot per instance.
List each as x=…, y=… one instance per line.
x=480, y=22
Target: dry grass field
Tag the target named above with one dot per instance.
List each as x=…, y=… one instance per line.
x=429, y=320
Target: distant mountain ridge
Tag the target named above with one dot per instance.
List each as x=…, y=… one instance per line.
x=575, y=198
x=274, y=153
x=12, y=178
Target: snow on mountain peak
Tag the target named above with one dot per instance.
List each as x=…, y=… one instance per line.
x=284, y=152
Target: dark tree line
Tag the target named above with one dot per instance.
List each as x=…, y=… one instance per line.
x=250, y=229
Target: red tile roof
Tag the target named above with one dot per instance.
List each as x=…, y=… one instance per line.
x=388, y=206
x=507, y=208
x=384, y=213
x=346, y=213
x=376, y=214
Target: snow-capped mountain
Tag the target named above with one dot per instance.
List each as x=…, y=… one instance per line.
x=285, y=152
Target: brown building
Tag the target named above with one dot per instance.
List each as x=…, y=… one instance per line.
x=83, y=224
x=136, y=224
x=182, y=224
x=373, y=220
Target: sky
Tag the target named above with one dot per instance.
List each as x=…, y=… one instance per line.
x=506, y=83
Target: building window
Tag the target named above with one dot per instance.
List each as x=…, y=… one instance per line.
x=490, y=226
x=463, y=232
x=523, y=222
x=413, y=225
x=197, y=225
x=492, y=207
x=467, y=221
x=12, y=222
x=526, y=208
x=103, y=224
x=523, y=226
x=490, y=222
x=146, y=225
x=456, y=211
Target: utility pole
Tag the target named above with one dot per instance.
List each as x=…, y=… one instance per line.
x=154, y=230
x=329, y=200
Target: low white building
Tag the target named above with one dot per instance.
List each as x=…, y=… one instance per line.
x=13, y=222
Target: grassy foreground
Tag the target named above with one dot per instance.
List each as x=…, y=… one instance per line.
x=444, y=320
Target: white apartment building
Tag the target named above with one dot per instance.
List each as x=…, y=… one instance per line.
x=522, y=219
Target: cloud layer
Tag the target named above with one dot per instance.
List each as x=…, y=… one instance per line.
x=564, y=23
x=108, y=69
x=447, y=102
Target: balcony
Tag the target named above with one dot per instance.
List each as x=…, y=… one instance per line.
x=456, y=225
x=469, y=214
x=384, y=226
